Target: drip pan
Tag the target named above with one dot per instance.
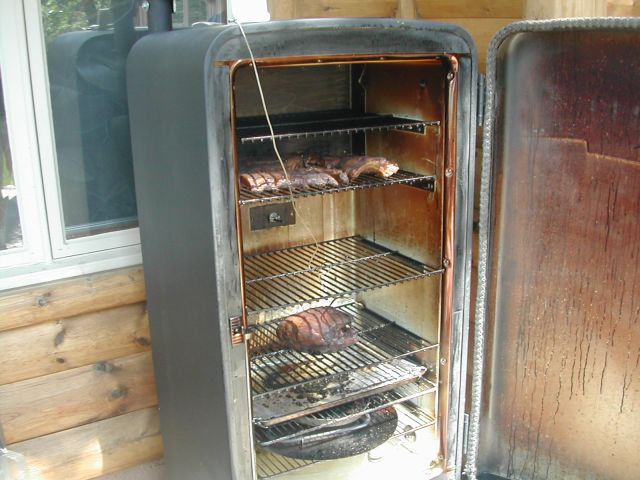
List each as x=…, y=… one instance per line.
x=362, y=435
x=286, y=404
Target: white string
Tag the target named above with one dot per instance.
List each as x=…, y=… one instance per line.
x=275, y=146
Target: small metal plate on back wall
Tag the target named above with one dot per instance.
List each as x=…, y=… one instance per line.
x=273, y=215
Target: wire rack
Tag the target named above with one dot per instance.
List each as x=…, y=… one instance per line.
x=305, y=125
x=402, y=177
x=342, y=267
x=287, y=384
x=410, y=419
x=343, y=413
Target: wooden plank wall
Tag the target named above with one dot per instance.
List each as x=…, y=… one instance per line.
x=540, y=9
x=77, y=393
x=482, y=18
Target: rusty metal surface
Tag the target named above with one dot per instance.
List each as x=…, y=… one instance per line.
x=561, y=387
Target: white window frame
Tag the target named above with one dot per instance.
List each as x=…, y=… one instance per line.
x=46, y=254
x=14, y=68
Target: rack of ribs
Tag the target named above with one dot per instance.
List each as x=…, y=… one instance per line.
x=307, y=171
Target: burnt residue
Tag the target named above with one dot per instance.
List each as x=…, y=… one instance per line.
x=565, y=330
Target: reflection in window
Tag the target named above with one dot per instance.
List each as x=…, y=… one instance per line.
x=10, y=231
x=87, y=43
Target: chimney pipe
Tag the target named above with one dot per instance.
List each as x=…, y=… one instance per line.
x=159, y=15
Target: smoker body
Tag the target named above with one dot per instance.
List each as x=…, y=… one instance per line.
x=219, y=275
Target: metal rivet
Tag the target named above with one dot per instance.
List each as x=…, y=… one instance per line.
x=448, y=172
x=450, y=76
x=446, y=263
x=443, y=361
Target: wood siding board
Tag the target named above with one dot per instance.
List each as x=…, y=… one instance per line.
x=469, y=8
x=66, y=298
x=482, y=30
x=287, y=9
x=541, y=9
x=52, y=347
x=95, y=449
x=342, y=8
x=56, y=402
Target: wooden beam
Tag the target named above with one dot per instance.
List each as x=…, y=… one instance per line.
x=96, y=449
x=287, y=9
x=52, y=301
x=540, y=9
x=470, y=8
x=53, y=347
x=406, y=9
x=482, y=30
x=623, y=8
x=56, y=402
x=282, y=9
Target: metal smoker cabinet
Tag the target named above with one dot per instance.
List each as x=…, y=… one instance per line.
x=555, y=341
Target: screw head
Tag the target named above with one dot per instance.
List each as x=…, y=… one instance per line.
x=443, y=361
x=448, y=172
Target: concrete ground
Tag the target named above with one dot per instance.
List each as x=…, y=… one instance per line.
x=146, y=471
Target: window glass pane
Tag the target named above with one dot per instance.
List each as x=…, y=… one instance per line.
x=89, y=109
x=87, y=43
x=10, y=231
x=192, y=11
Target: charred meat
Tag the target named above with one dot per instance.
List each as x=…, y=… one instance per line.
x=354, y=166
x=317, y=330
x=312, y=171
x=275, y=181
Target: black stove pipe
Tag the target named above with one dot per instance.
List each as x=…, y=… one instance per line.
x=123, y=12
x=159, y=16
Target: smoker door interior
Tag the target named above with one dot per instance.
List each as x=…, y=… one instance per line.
x=559, y=255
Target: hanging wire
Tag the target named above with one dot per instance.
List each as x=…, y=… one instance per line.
x=274, y=143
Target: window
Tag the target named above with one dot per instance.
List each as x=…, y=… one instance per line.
x=21, y=205
x=10, y=229
x=67, y=203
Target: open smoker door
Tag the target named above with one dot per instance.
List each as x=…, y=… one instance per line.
x=557, y=350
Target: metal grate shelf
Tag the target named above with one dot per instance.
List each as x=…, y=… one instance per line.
x=288, y=384
x=410, y=419
x=343, y=413
x=402, y=177
x=337, y=268
x=255, y=129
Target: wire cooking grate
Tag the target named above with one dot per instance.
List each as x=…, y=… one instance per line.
x=342, y=267
x=427, y=182
x=287, y=384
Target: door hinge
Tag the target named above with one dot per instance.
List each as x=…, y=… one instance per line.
x=465, y=433
x=482, y=100
x=238, y=331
